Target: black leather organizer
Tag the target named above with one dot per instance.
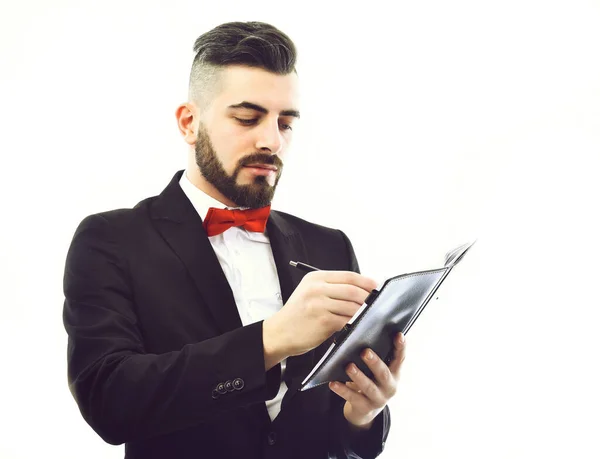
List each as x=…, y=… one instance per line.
x=393, y=308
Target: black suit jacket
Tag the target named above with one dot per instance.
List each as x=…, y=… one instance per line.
x=154, y=335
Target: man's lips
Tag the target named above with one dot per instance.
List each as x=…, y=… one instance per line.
x=262, y=166
x=265, y=170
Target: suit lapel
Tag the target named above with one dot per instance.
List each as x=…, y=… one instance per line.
x=287, y=244
x=180, y=225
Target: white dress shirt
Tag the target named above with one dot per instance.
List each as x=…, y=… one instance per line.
x=248, y=264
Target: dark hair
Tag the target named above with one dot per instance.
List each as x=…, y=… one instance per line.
x=254, y=44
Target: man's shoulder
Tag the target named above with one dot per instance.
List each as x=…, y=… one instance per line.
x=119, y=218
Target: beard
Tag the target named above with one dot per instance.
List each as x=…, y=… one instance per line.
x=257, y=194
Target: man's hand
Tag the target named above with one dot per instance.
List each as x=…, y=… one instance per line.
x=322, y=304
x=366, y=398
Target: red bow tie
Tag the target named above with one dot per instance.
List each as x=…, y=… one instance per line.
x=219, y=220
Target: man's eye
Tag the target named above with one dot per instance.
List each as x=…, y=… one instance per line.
x=286, y=127
x=246, y=122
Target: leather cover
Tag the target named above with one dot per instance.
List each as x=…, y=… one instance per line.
x=392, y=309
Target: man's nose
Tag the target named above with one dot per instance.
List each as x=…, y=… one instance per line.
x=269, y=137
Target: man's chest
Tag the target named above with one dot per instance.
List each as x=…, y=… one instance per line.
x=178, y=298
x=247, y=262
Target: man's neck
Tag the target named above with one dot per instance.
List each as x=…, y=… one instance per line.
x=196, y=178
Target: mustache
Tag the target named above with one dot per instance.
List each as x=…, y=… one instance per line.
x=261, y=158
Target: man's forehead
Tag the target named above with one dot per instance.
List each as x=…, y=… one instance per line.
x=266, y=89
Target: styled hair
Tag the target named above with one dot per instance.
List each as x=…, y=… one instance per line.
x=253, y=44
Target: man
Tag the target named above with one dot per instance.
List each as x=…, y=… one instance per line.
x=189, y=332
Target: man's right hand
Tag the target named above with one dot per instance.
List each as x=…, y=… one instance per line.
x=321, y=305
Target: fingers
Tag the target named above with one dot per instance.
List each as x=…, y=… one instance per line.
x=352, y=385
x=334, y=322
x=346, y=309
x=331, y=298
x=346, y=277
x=386, y=376
x=366, y=386
x=352, y=396
x=383, y=387
x=344, y=292
x=367, y=395
x=399, y=347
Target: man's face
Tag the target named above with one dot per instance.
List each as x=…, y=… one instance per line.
x=245, y=132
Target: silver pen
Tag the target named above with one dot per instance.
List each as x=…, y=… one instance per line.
x=303, y=266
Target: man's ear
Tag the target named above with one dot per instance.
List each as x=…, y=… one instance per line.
x=186, y=115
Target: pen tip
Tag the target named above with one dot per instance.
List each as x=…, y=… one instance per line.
x=293, y=263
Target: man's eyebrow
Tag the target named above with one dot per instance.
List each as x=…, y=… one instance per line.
x=258, y=108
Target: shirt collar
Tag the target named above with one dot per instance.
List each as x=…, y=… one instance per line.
x=202, y=202
x=199, y=199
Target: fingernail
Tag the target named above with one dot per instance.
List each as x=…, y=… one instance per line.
x=353, y=369
x=369, y=355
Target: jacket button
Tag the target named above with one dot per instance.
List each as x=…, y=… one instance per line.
x=215, y=394
x=229, y=386
x=221, y=389
x=238, y=384
x=271, y=438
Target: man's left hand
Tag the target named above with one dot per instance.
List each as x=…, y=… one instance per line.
x=366, y=398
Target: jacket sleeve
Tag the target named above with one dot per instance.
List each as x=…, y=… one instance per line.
x=350, y=444
x=346, y=443
x=125, y=393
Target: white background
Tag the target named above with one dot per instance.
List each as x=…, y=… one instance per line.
x=425, y=124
